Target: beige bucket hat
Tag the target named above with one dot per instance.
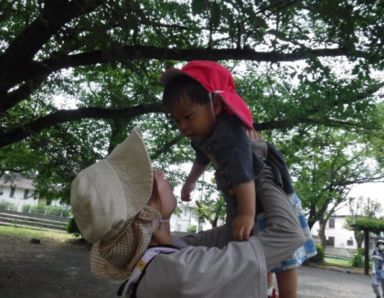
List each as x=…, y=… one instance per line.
x=109, y=203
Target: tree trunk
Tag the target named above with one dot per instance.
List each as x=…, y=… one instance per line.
x=359, y=237
x=322, y=236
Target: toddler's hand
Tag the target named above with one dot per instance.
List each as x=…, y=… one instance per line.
x=242, y=226
x=186, y=191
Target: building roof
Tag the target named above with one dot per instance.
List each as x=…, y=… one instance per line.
x=16, y=180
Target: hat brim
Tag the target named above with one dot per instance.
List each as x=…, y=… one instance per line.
x=107, y=194
x=132, y=163
x=236, y=105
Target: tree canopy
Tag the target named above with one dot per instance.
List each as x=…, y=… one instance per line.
x=76, y=75
x=359, y=223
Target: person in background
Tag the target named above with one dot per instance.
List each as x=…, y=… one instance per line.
x=378, y=268
x=123, y=208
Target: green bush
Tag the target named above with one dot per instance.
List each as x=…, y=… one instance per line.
x=319, y=258
x=192, y=229
x=39, y=209
x=4, y=205
x=26, y=208
x=358, y=259
x=62, y=211
x=72, y=228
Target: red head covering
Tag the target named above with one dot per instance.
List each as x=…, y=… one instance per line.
x=215, y=78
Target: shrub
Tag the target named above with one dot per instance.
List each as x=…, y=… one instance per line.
x=26, y=208
x=319, y=258
x=62, y=211
x=358, y=259
x=192, y=229
x=4, y=205
x=72, y=228
x=38, y=209
x=58, y=211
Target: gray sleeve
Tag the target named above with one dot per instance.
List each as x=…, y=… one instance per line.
x=216, y=237
x=194, y=272
x=282, y=235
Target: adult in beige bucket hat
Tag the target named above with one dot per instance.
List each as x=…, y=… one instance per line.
x=106, y=198
x=123, y=208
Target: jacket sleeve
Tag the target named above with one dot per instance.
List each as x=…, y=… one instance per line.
x=282, y=235
x=236, y=268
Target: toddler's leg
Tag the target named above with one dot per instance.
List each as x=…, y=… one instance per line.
x=287, y=283
x=283, y=234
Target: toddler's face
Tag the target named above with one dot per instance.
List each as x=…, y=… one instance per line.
x=195, y=121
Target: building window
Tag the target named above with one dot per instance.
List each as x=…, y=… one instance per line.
x=26, y=193
x=12, y=193
x=331, y=241
x=331, y=223
x=350, y=242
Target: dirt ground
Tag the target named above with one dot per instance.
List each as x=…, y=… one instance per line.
x=58, y=268
x=49, y=269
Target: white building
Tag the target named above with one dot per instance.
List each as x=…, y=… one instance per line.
x=18, y=191
x=340, y=240
x=337, y=234
x=187, y=219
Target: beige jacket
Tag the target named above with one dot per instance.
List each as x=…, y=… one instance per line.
x=219, y=268
x=236, y=270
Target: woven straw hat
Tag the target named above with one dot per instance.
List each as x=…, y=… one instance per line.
x=109, y=202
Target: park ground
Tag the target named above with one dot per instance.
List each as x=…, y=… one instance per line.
x=45, y=264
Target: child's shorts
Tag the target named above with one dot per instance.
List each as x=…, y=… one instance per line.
x=302, y=253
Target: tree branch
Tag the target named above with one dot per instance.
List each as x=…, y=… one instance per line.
x=25, y=46
x=62, y=116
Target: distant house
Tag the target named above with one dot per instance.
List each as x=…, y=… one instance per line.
x=338, y=235
x=187, y=219
x=20, y=191
x=17, y=191
x=340, y=240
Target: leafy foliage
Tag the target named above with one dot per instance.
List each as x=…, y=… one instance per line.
x=76, y=76
x=319, y=257
x=358, y=258
x=374, y=225
x=361, y=207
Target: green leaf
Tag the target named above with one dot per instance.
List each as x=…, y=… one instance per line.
x=198, y=6
x=215, y=14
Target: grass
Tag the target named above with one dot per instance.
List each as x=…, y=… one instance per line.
x=32, y=233
x=337, y=262
x=342, y=263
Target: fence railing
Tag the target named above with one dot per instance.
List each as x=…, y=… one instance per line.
x=36, y=221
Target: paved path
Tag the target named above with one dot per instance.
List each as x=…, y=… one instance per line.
x=322, y=283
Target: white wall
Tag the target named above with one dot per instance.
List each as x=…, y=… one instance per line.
x=18, y=196
x=187, y=218
x=340, y=233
